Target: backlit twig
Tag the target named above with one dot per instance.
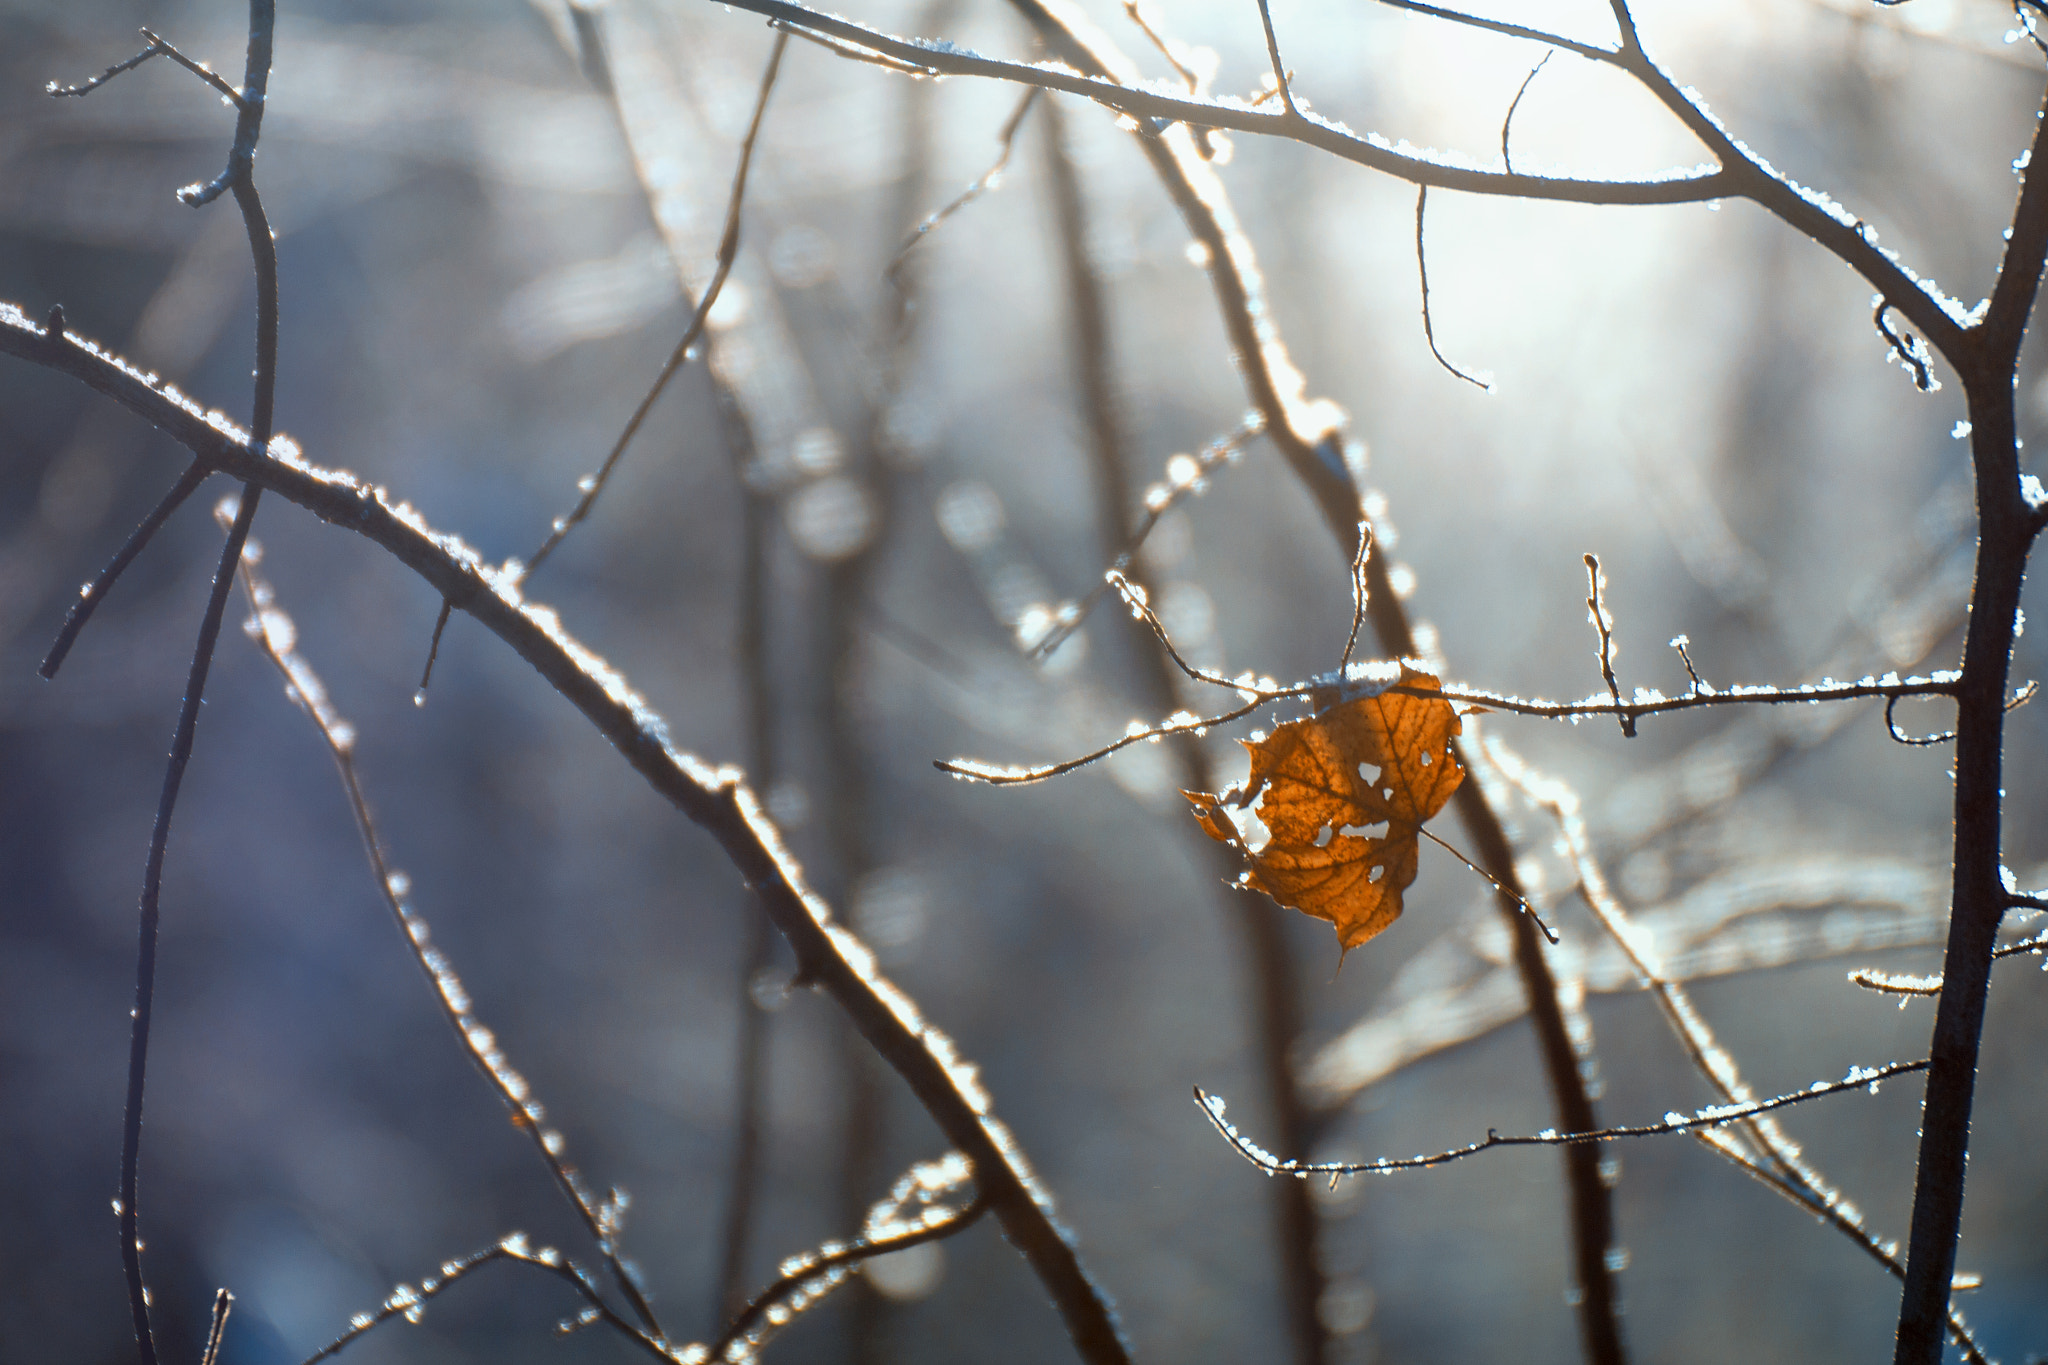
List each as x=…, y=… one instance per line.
x=1858, y=1078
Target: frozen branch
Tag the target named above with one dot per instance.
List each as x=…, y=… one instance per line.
x=409, y=1301
x=1858, y=1078
x=715, y=798
x=1331, y=688
x=276, y=635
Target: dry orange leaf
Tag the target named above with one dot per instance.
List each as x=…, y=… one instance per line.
x=1343, y=795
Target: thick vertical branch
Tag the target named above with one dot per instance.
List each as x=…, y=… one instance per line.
x=1978, y=896
x=1275, y=989
x=2005, y=530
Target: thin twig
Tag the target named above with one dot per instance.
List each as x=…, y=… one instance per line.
x=1149, y=103
x=1187, y=476
x=409, y=1301
x=217, y=1329
x=1507, y=123
x=1422, y=270
x=1135, y=598
x=157, y=47
x=1699, y=684
x=1361, y=593
x=1920, y=741
x=152, y=889
x=851, y=52
x=1906, y=347
x=1885, y=1254
x=1604, y=623
x=1646, y=703
x=1890, y=983
x=1858, y=1078
x=1510, y=893
x=1282, y=77
x=1740, y=175
x=96, y=591
x=1135, y=12
x=812, y=1276
x=593, y=485
x=419, y=696
x=982, y=184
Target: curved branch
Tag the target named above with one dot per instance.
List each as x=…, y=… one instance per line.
x=1147, y=102
x=715, y=798
x=1741, y=173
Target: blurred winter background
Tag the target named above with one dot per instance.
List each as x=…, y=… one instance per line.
x=481, y=251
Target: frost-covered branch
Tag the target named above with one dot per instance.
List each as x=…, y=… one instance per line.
x=274, y=632
x=1331, y=689
x=1741, y=173
x=1167, y=106
x=1777, y=1160
x=1897, y=983
x=910, y=1216
x=1858, y=1078
x=717, y=799
x=409, y=1301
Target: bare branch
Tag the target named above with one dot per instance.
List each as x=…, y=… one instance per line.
x=1909, y=349
x=274, y=633
x=1858, y=1078
x=982, y=184
x=592, y=485
x=1187, y=476
x=1891, y=983
x=239, y=176
x=851, y=52
x=908, y=1217
x=1507, y=123
x=1422, y=270
x=409, y=1301
x=1146, y=25
x=95, y=592
x=1779, y=1158
x=1549, y=934
x=1228, y=112
x=157, y=47
x=717, y=799
x=1282, y=77
x=1361, y=593
x=1329, y=688
x=217, y=1329
x=1884, y=1253
x=1597, y=612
